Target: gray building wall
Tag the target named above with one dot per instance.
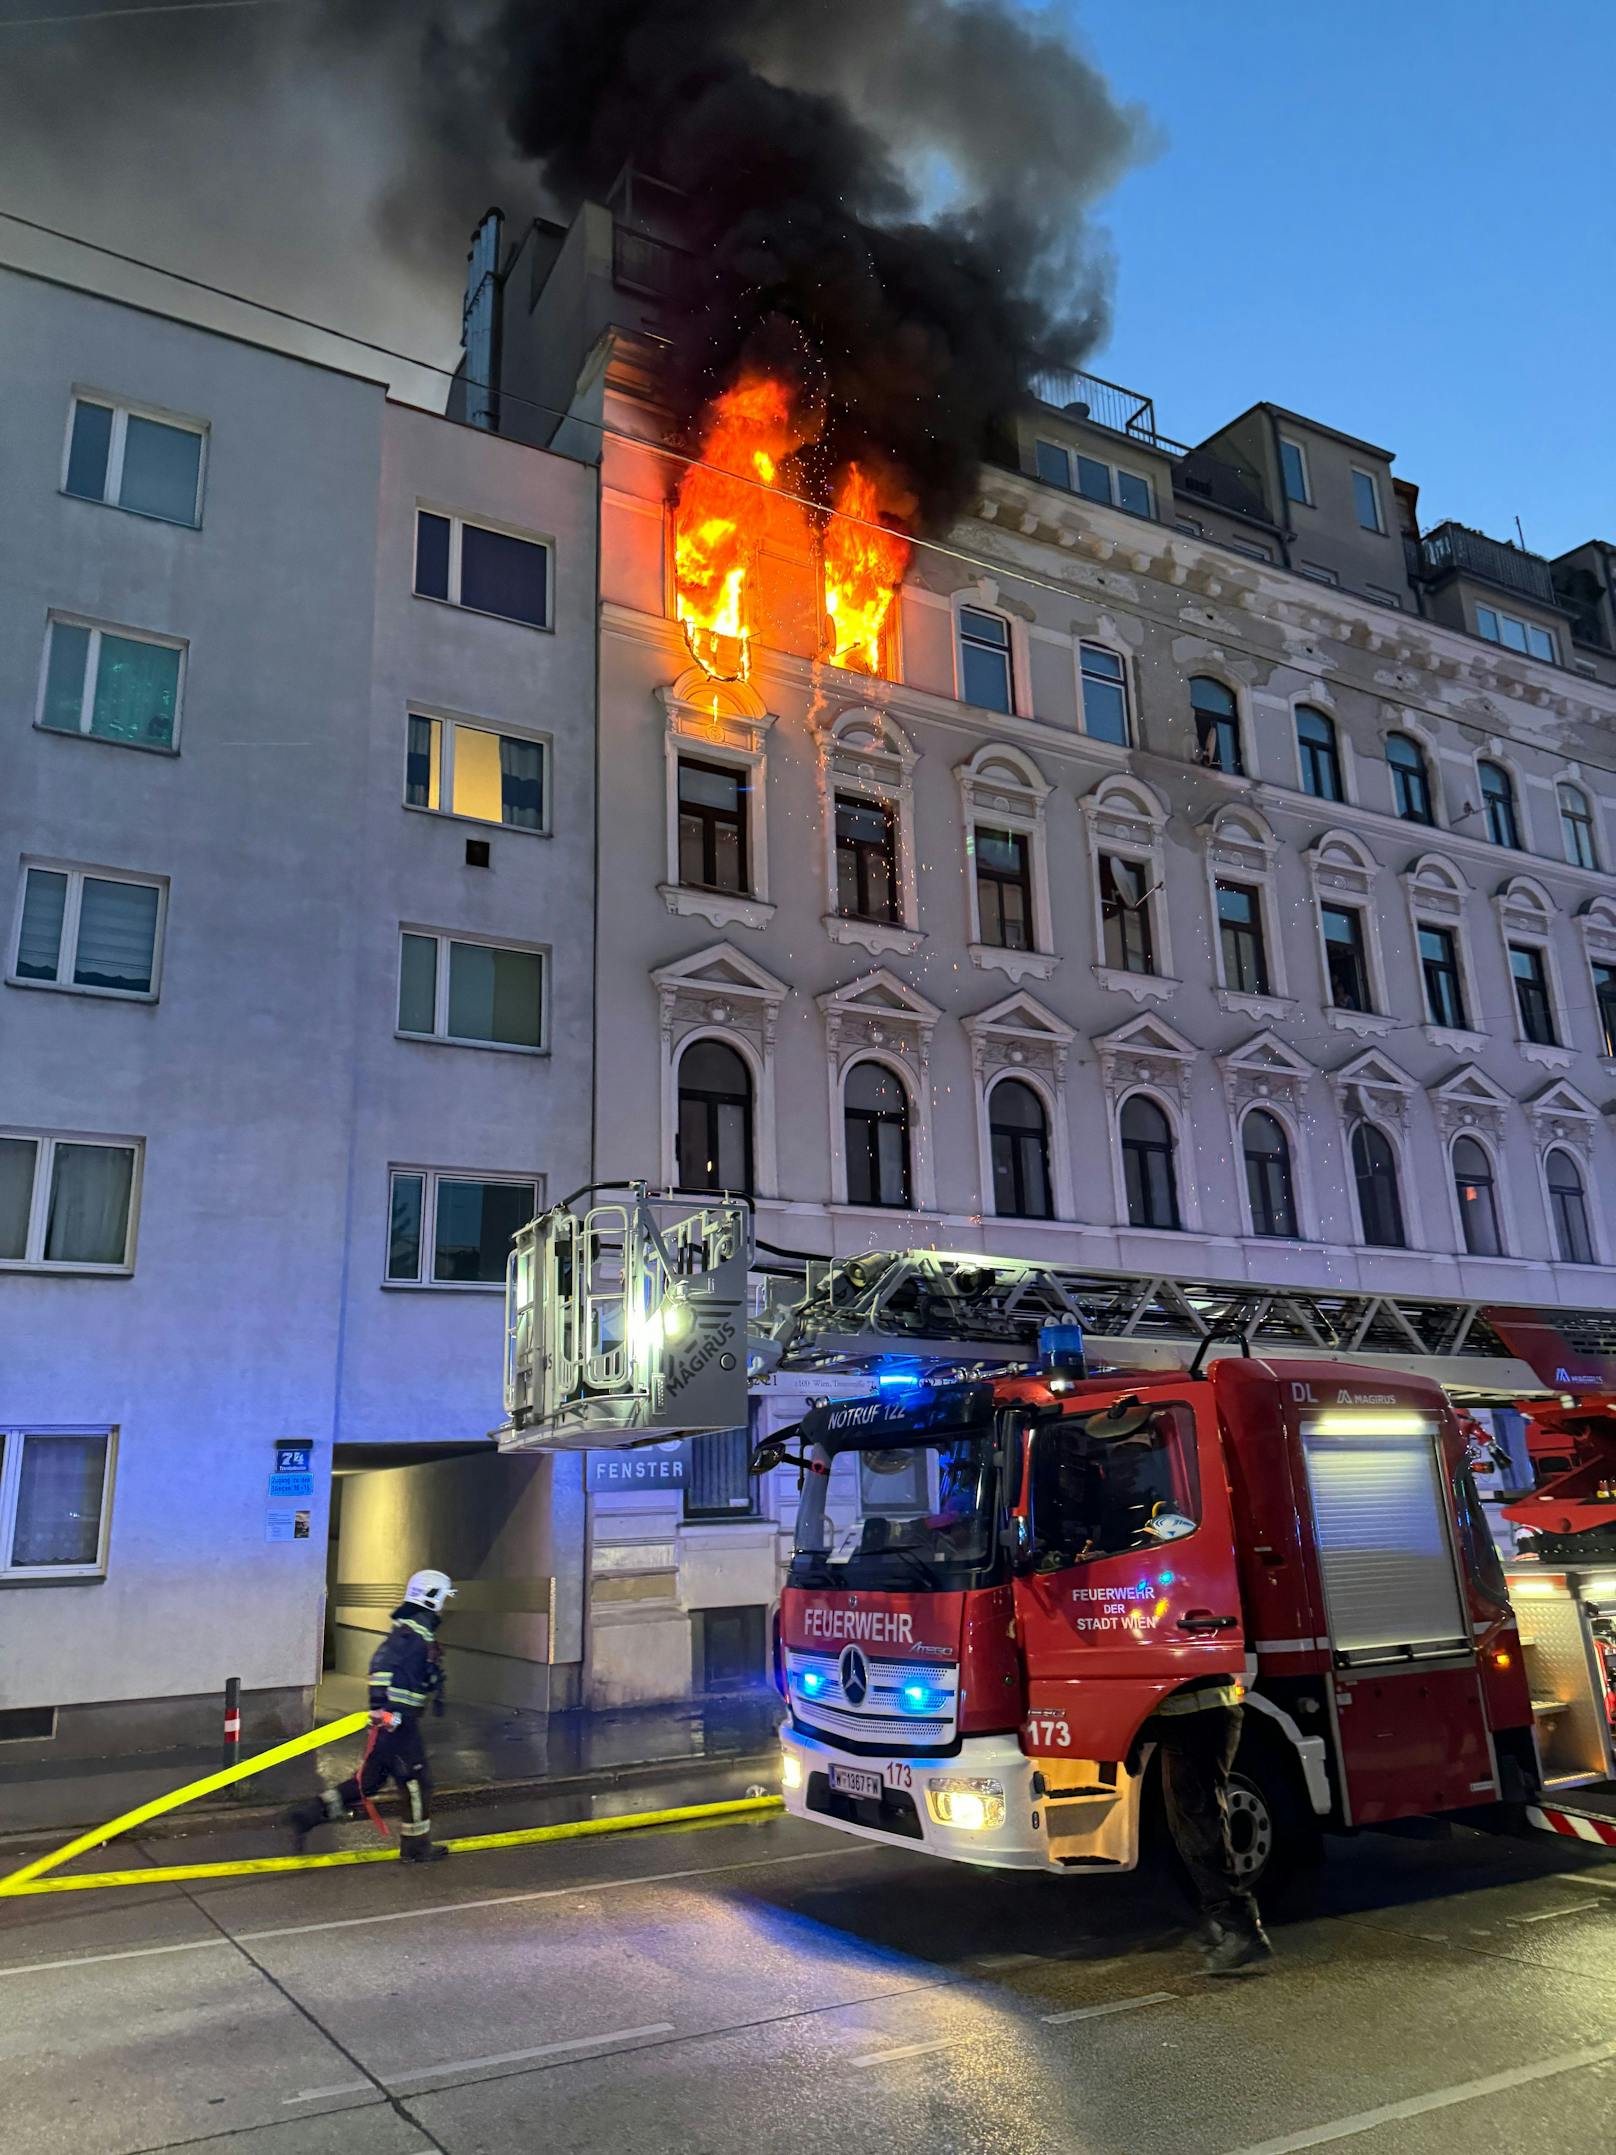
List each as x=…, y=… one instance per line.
x=264, y=1083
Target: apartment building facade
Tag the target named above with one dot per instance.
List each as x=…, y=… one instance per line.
x=296, y=854
x=1217, y=884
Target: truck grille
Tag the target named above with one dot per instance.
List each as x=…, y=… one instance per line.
x=886, y=1709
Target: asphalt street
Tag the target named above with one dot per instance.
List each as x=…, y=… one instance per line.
x=723, y=1990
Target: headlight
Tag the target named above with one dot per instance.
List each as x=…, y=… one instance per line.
x=971, y=1806
x=790, y=1770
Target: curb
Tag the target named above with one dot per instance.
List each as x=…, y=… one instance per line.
x=470, y=1795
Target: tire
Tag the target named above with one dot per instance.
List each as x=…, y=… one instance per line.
x=1275, y=1832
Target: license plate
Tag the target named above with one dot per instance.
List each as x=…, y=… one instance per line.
x=856, y=1781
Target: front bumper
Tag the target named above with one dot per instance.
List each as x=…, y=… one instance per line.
x=903, y=1817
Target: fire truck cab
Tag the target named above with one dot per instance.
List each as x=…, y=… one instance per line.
x=995, y=1586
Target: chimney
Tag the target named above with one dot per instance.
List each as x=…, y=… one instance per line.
x=480, y=323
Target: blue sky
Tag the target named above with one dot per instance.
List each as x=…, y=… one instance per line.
x=1391, y=215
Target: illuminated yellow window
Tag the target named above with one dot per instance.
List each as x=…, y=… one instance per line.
x=470, y=771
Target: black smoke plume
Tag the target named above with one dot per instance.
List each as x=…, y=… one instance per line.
x=907, y=181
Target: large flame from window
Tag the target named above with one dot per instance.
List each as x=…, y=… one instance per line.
x=744, y=490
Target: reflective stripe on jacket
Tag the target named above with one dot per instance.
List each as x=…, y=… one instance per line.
x=1202, y=1698
x=404, y=1670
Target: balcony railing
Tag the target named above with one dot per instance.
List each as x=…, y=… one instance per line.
x=1103, y=403
x=643, y=264
x=1454, y=547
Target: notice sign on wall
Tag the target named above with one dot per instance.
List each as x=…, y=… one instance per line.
x=293, y=1475
x=286, y=1525
x=650, y=1466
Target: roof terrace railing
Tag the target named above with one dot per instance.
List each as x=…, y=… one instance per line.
x=1106, y=404
x=1453, y=547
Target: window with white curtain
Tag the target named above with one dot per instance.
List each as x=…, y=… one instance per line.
x=55, y=1486
x=113, y=684
x=78, y=929
x=67, y=1201
x=135, y=460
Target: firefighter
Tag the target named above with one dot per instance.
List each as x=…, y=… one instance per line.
x=1198, y=1734
x=406, y=1671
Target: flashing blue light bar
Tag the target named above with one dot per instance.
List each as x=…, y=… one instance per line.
x=811, y=1681
x=1060, y=1348
x=917, y=1699
x=896, y=1380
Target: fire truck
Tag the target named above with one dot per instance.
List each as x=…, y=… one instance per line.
x=1035, y=1502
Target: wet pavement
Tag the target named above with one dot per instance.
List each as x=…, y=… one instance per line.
x=750, y=1986
x=474, y=1750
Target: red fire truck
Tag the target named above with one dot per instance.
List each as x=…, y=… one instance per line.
x=1005, y=1562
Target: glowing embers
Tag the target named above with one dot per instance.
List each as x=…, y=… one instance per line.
x=864, y=565
x=727, y=507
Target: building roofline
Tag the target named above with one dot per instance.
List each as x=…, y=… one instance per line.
x=1318, y=426
x=202, y=329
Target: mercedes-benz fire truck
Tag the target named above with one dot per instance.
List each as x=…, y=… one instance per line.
x=1013, y=1544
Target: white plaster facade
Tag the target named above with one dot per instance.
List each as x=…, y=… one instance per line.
x=264, y=1083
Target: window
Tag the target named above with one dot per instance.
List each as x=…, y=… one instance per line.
x=1374, y=1170
x=1439, y=969
x=1093, y=478
x=1577, y=828
x=1240, y=938
x=1133, y=493
x=1411, y=782
x=1293, y=469
x=1605, y=1006
x=1095, y=1496
x=1383, y=597
x=448, y=1230
x=1269, y=1190
x=715, y=1119
x=876, y=1128
x=1515, y=634
x=1498, y=799
x=1217, y=725
x=132, y=461
x=984, y=655
x=1003, y=888
x=1147, y=1165
x=76, y=930
x=866, y=859
x=1568, y=1206
x=719, y=1485
x=1532, y=994
x=1019, y=1133
x=486, y=571
x=1252, y=553
x=67, y=1201
x=1316, y=573
x=712, y=826
x=54, y=1486
x=1054, y=464
x=464, y=770
x=1129, y=945
x=114, y=685
x=1345, y=962
x=480, y=994
x=1478, y=1204
x=1319, y=754
x=1105, y=695
x=1366, y=500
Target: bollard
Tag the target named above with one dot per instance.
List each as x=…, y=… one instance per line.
x=230, y=1750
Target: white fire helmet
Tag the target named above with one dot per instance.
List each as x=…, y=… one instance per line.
x=429, y=1589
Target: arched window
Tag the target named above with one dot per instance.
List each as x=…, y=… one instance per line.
x=1217, y=724
x=1498, y=798
x=715, y=1119
x=1569, y=1205
x=1320, y=757
x=1374, y=1169
x=1147, y=1165
x=1019, y=1133
x=875, y=1116
x=1411, y=781
x=1577, y=828
x=1478, y=1199
x=1269, y=1186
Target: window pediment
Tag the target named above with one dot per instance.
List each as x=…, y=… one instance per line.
x=1470, y=1100
x=879, y=1011
x=1019, y=1033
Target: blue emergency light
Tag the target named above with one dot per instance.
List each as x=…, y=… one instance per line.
x=1060, y=1350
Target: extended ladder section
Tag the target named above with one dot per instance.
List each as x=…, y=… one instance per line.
x=630, y=1321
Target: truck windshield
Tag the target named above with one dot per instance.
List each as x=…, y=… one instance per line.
x=911, y=1516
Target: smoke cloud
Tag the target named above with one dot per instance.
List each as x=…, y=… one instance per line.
x=908, y=182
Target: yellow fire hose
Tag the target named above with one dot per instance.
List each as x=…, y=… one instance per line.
x=31, y=1879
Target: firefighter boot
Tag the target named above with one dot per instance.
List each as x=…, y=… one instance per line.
x=419, y=1846
x=1235, y=1948
x=318, y=1810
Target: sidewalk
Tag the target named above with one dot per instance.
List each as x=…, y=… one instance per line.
x=477, y=1752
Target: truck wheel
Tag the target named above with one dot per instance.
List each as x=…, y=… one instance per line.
x=1277, y=1847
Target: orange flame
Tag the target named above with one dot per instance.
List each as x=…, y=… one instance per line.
x=864, y=565
x=720, y=517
